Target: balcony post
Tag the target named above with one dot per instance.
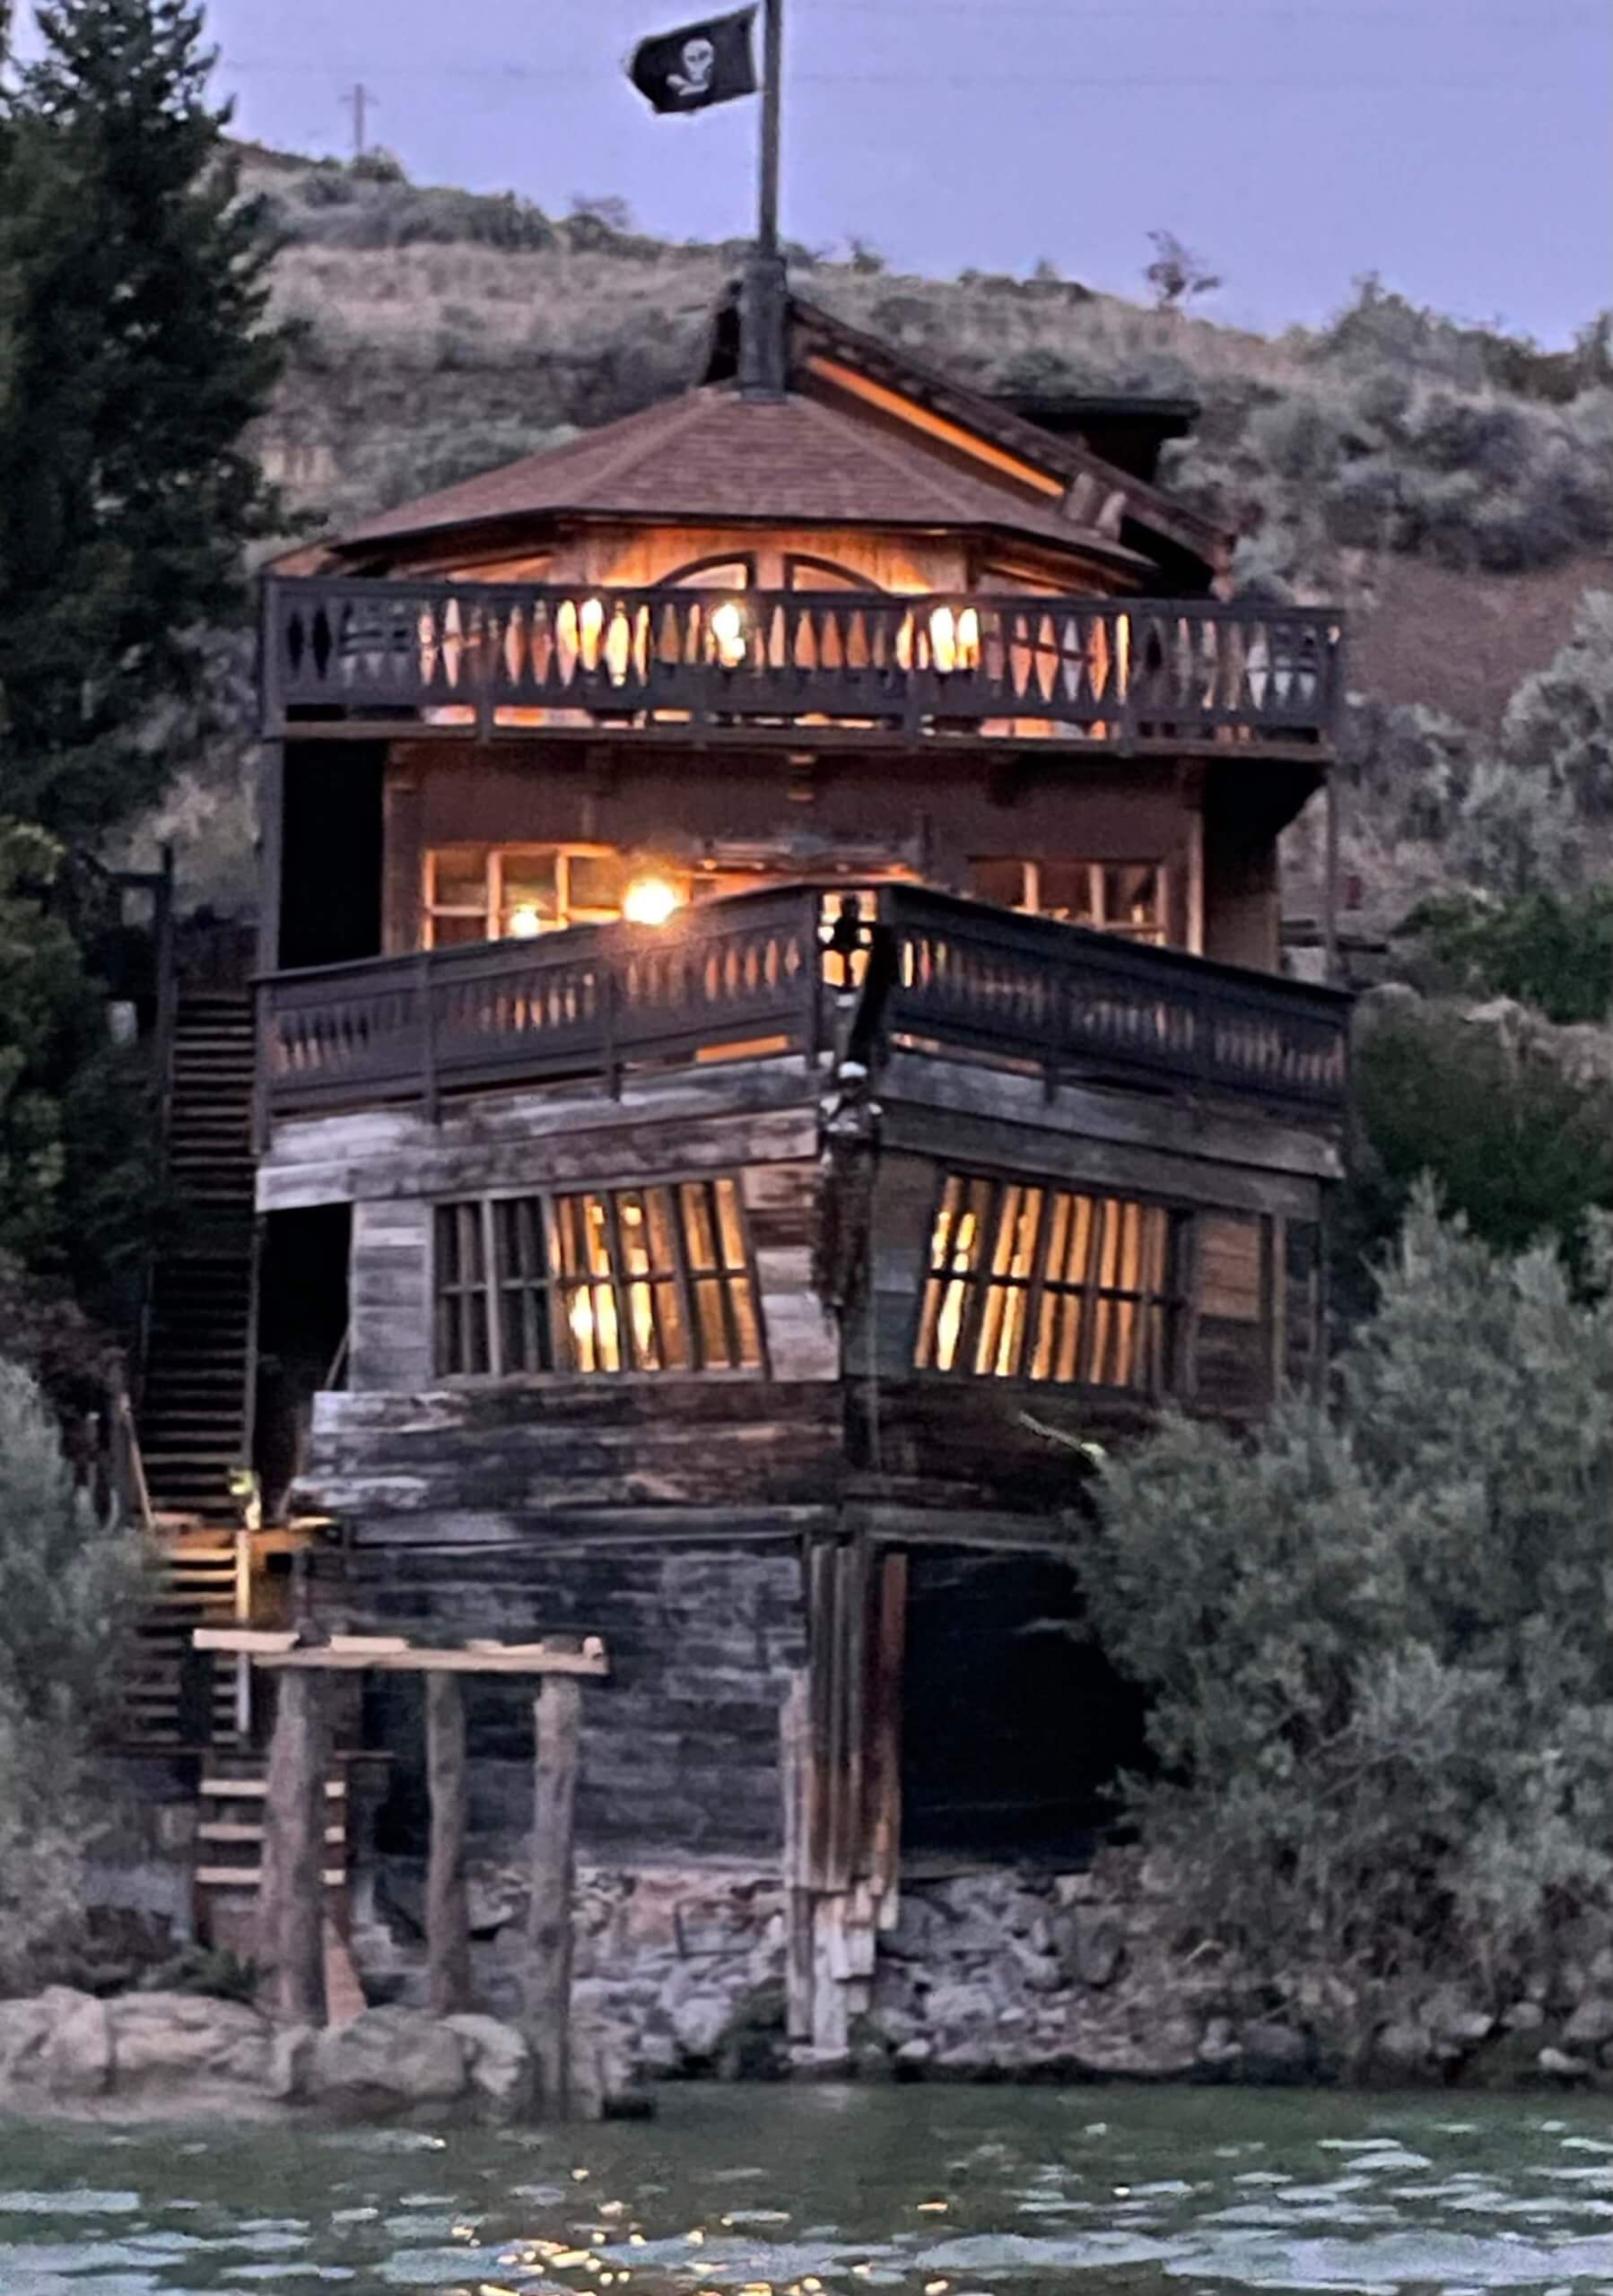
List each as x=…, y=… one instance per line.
x=428, y=1037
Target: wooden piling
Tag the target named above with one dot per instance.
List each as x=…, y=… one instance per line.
x=795, y=1737
x=447, y=1906
x=557, y=1714
x=291, y=1893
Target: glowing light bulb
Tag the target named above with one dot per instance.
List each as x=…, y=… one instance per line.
x=650, y=900
x=525, y=923
x=728, y=632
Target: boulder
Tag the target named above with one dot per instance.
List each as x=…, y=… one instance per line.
x=1091, y=1947
x=500, y=2067
x=1404, y=2047
x=1163, y=2048
x=25, y=2027
x=1558, y=2065
x=1591, y=2024
x=292, y=2063
x=1275, y=2052
x=77, y=2055
x=389, y=2056
x=163, y=2038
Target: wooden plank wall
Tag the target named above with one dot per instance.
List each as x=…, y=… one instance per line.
x=681, y=1748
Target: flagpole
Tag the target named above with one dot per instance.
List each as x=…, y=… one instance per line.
x=764, y=358
x=772, y=68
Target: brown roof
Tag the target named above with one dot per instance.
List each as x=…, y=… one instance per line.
x=714, y=456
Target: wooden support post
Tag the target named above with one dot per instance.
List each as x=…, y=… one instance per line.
x=292, y=1893
x=447, y=1908
x=557, y=1713
x=795, y=1741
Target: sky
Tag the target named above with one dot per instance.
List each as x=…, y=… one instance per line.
x=1461, y=149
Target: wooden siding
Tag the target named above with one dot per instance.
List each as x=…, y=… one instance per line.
x=389, y=1295
x=933, y=816
x=681, y=1748
x=696, y=1120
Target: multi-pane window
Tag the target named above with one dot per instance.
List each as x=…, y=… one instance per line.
x=1123, y=897
x=501, y=893
x=642, y=1279
x=1034, y=1282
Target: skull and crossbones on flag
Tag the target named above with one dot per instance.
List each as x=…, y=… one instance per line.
x=697, y=66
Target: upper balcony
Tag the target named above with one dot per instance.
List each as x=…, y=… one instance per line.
x=756, y=667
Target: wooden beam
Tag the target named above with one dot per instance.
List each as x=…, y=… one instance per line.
x=557, y=1715
x=292, y=1893
x=385, y=1654
x=447, y=1906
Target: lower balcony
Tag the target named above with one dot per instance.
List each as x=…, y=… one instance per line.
x=484, y=658
x=796, y=971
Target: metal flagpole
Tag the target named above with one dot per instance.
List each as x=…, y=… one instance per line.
x=762, y=359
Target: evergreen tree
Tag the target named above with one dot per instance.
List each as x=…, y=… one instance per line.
x=135, y=349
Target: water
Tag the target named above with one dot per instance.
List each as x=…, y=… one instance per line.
x=823, y=2191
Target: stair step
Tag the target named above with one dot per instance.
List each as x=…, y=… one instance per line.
x=254, y=1789
x=226, y=1830
x=251, y=1877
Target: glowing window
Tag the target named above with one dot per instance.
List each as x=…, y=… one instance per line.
x=1032, y=1283
x=1124, y=897
x=655, y=1278
x=502, y=892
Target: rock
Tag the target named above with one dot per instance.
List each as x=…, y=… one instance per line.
x=1591, y=2024
x=1403, y=2046
x=1092, y=1948
x=1523, y=2017
x=394, y=2056
x=1220, y=2045
x=1456, y=2019
x=1076, y=1888
x=913, y=2054
x=292, y=2063
x=1558, y=2065
x=25, y=2027
x=175, y=2036
x=77, y=2056
x=1166, y=2050
x=502, y=2074
x=1275, y=2052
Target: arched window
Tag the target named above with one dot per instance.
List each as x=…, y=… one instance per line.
x=803, y=571
x=727, y=573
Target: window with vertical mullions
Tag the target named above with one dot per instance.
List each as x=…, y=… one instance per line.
x=655, y=1278
x=1031, y=1283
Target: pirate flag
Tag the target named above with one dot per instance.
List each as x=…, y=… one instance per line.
x=702, y=64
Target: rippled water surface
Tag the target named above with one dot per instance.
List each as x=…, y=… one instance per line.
x=821, y=2192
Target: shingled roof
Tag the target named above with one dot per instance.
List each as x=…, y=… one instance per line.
x=717, y=457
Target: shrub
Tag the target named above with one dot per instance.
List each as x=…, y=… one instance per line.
x=1376, y=1639
x=70, y=1583
x=1519, y=1148
x=1548, y=950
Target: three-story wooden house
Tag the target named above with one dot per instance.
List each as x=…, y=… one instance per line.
x=769, y=1039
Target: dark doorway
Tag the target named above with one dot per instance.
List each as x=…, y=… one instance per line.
x=330, y=910
x=1014, y=1725
x=301, y=1337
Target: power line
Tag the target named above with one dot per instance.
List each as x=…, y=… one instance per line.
x=357, y=98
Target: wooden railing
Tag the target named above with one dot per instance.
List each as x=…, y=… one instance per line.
x=750, y=974
x=970, y=978
x=482, y=655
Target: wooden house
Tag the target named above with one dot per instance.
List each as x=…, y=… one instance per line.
x=770, y=1041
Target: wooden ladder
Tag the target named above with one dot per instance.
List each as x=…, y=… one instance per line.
x=194, y=1413
x=229, y=1833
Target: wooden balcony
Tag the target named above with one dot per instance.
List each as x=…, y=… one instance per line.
x=484, y=659
x=752, y=978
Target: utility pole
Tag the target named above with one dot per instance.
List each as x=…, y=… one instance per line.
x=357, y=100
x=763, y=318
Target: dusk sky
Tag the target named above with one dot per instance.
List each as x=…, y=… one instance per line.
x=1460, y=148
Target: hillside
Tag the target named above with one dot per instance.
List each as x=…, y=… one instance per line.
x=1452, y=486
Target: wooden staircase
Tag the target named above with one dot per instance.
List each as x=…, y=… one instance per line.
x=194, y=1413
x=204, y=1579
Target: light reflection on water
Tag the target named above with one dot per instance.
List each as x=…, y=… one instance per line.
x=827, y=2192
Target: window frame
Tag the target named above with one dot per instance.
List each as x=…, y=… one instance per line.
x=1148, y=936
x=496, y=856
x=1175, y=1300
x=682, y=1277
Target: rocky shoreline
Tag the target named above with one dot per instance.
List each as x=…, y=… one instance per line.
x=987, y=1975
